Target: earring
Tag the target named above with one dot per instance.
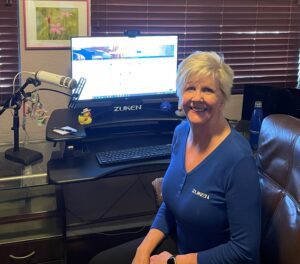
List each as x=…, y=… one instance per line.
x=179, y=112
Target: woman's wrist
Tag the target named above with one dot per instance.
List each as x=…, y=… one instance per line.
x=151, y=240
x=143, y=250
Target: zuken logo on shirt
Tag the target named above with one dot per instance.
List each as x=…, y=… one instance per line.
x=200, y=194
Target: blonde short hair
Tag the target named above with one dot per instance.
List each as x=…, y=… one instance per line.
x=205, y=64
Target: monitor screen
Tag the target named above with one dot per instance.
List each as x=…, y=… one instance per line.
x=275, y=100
x=252, y=93
x=118, y=68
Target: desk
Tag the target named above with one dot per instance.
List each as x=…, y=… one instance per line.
x=71, y=219
x=30, y=223
x=101, y=202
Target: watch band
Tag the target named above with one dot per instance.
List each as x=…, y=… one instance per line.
x=171, y=260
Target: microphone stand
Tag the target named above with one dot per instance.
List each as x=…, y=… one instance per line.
x=17, y=153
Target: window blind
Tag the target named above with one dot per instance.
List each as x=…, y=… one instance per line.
x=258, y=38
x=9, y=47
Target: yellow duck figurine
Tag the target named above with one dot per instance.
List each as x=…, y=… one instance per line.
x=85, y=117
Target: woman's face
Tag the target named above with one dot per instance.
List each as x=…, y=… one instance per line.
x=202, y=100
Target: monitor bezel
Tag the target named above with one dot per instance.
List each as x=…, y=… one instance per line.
x=139, y=98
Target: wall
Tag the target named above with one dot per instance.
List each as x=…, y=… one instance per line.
x=55, y=61
x=58, y=61
x=233, y=109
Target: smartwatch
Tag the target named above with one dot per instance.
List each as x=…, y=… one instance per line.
x=171, y=260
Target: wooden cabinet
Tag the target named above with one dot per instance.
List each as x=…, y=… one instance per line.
x=30, y=226
x=33, y=251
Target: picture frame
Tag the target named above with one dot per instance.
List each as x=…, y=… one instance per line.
x=49, y=24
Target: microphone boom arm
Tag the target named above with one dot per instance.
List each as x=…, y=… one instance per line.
x=15, y=101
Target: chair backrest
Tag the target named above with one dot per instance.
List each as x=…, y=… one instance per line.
x=278, y=160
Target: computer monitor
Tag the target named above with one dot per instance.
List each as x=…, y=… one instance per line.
x=252, y=93
x=123, y=69
x=275, y=100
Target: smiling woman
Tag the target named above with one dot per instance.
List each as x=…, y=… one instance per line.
x=202, y=100
x=204, y=84
x=211, y=194
x=205, y=64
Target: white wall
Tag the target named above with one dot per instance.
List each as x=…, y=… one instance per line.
x=233, y=109
x=58, y=61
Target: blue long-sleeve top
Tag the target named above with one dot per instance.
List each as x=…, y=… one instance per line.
x=214, y=210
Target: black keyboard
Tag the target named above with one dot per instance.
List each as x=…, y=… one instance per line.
x=113, y=157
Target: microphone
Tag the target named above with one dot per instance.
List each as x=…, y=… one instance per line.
x=56, y=79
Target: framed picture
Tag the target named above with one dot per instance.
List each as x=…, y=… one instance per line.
x=51, y=24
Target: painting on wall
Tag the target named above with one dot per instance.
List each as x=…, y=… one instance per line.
x=51, y=24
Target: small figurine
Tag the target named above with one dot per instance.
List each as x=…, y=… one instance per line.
x=85, y=117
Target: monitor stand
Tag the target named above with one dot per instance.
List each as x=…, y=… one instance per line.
x=107, y=117
x=106, y=124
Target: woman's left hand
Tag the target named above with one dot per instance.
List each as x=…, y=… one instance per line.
x=161, y=258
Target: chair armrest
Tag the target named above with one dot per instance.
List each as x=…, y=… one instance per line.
x=156, y=183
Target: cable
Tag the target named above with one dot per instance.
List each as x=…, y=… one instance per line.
x=52, y=90
x=14, y=81
x=113, y=204
x=99, y=217
x=14, y=84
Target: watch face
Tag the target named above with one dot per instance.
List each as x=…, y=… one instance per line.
x=171, y=260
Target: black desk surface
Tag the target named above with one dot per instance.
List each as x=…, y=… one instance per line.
x=79, y=169
x=82, y=165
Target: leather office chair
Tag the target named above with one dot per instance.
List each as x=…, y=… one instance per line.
x=278, y=161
